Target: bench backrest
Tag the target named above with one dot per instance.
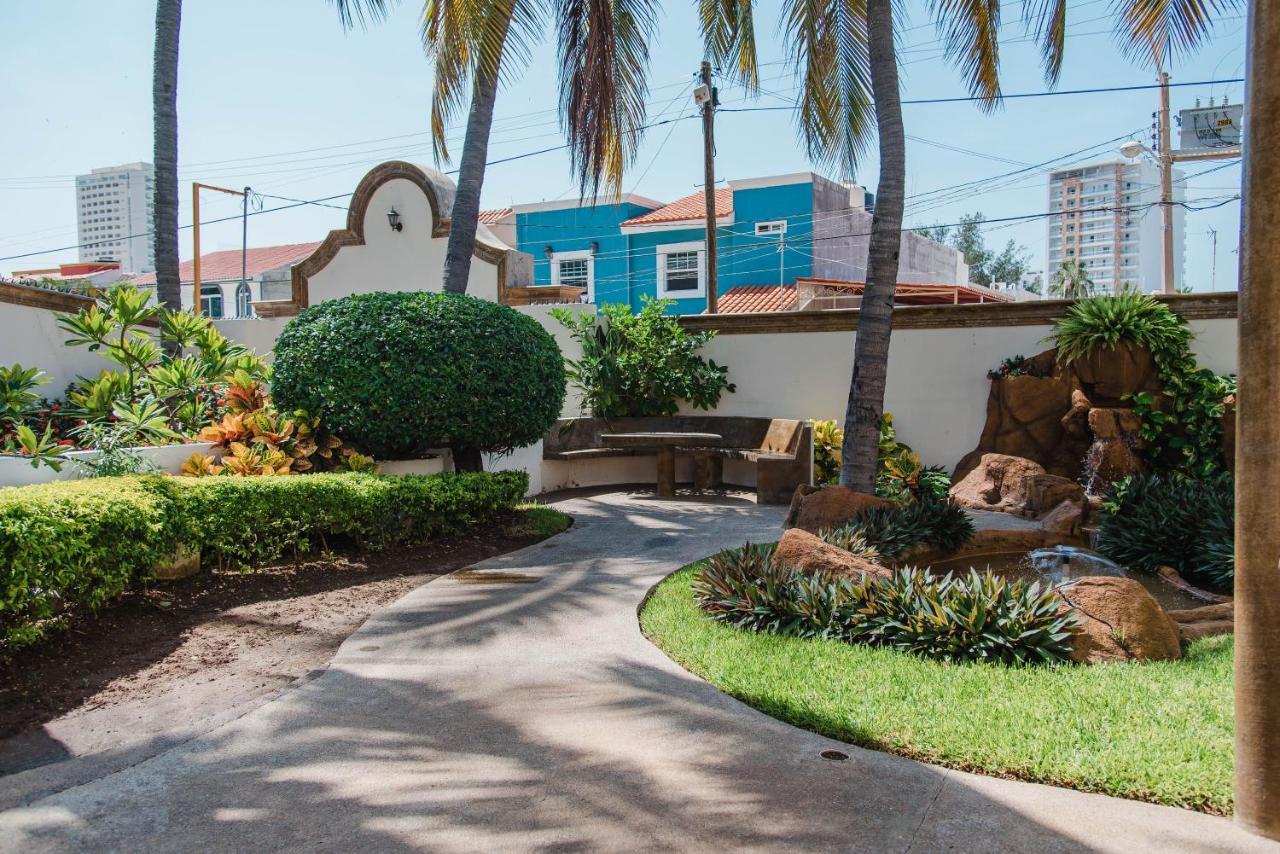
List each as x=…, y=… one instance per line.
x=782, y=437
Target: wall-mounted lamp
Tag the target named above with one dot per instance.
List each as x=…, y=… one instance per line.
x=548, y=251
x=595, y=247
x=393, y=219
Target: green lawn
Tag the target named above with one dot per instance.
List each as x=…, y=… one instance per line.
x=533, y=519
x=1158, y=731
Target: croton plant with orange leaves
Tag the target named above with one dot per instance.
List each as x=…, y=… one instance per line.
x=255, y=439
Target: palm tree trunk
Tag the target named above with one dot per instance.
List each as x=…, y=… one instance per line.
x=875, y=319
x=164, y=95
x=466, y=203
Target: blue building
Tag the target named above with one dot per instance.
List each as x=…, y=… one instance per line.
x=770, y=231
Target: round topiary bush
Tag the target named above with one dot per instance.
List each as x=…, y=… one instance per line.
x=397, y=374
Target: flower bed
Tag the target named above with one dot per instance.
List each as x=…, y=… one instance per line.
x=81, y=543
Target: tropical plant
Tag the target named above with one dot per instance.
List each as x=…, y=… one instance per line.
x=974, y=617
x=1189, y=524
x=641, y=364
x=40, y=448
x=897, y=530
x=156, y=384
x=18, y=398
x=164, y=103
x=985, y=265
x=400, y=374
x=1018, y=366
x=901, y=476
x=845, y=58
x=1182, y=428
x=1071, y=281
x=827, y=441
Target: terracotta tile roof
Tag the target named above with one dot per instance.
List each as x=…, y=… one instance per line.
x=220, y=266
x=692, y=207
x=494, y=215
x=756, y=298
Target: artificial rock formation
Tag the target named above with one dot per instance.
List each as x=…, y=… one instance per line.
x=1203, y=622
x=1119, y=621
x=808, y=553
x=815, y=509
x=996, y=482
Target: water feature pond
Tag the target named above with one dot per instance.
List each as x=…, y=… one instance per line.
x=1062, y=564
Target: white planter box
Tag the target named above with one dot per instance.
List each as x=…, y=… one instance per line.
x=17, y=471
x=437, y=464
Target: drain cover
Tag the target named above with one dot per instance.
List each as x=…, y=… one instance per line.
x=834, y=755
x=478, y=576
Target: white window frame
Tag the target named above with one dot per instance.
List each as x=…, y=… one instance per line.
x=771, y=228
x=576, y=255
x=666, y=249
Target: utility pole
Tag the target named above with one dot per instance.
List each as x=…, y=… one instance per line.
x=1165, y=160
x=244, y=243
x=1213, y=264
x=706, y=93
x=196, y=187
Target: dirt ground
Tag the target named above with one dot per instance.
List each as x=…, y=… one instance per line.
x=182, y=655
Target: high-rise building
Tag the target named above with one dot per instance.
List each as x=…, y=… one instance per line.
x=1107, y=216
x=115, y=214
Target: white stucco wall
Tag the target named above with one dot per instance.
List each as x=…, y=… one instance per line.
x=31, y=337
x=407, y=260
x=937, y=385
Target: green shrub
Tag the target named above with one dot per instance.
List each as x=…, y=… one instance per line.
x=1017, y=366
x=641, y=364
x=747, y=588
x=398, y=374
x=1156, y=521
x=1184, y=432
x=81, y=543
x=78, y=543
x=974, y=617
x=895, y=531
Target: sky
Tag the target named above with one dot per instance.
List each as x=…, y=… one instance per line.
x=277, y=96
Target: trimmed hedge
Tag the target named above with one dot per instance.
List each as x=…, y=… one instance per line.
x=83, y=542
x=398, y=374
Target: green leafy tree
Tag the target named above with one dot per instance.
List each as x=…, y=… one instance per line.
x=641, y=364
x=985, y=265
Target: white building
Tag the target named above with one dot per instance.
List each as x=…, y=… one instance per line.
x=1107, y=216
x=115, y=216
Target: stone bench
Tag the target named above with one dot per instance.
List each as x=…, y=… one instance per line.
x=780, y=450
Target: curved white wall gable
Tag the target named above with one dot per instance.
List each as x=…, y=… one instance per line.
x=407, y=260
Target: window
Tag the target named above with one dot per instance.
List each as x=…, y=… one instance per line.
x=574, y=270
x=244, y=300
x=211, y=301
x=681, y=272
x=768, y=229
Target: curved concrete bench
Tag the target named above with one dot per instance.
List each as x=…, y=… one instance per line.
x=774, y=455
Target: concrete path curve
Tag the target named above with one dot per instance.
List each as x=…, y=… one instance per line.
x=532, y=715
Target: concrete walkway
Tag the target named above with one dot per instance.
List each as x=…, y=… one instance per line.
x=532, y=715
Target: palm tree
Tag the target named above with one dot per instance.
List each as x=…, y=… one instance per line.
x=602, y=48
x=1071, y=281
x=164, y=101
x=843, y=50
x=164, y=97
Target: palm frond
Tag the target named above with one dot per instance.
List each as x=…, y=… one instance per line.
x=362, y=12
x=970, y=31
x=728, y=31
x=1046, y=20
x=470, y=37
x=827, y=43
x=1157, y=31
x=604, y=58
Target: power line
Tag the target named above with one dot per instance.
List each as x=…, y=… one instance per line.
x=968, y=98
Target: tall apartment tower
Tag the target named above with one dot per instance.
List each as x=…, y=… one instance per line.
x=116, y=216
x=1106, y=215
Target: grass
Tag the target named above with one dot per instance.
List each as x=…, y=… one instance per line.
x=532, y=519
x=1157, y=731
